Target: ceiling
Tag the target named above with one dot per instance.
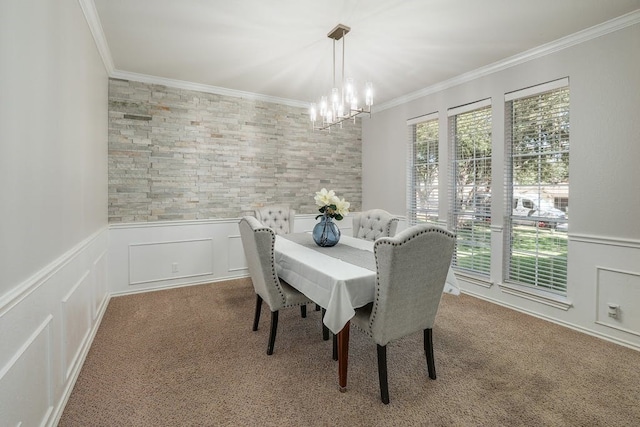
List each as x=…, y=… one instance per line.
x=280, y=48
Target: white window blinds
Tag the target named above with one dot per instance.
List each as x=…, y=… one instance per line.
x=423, y=169
x=470, y=196
x=537, y=186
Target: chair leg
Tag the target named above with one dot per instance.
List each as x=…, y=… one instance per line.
x=382, y=373
x=428, y=350
x=256, y=317
x=335, y=347
x=317, y=307
x=325, y=330
x=272, y=335
x=303, y=311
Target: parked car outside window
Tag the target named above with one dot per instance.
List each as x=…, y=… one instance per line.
x=528, y=210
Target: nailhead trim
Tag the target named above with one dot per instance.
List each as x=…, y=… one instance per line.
x=273, y=262
x=387, y=241
x=273, y=266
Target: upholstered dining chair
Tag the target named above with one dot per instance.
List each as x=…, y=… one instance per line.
x=411, y=272
x=258, y=242
x=374, y=223
x=278, y=218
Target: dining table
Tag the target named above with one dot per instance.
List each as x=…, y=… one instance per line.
x=339, y=279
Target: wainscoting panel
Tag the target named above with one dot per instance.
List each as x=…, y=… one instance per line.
x=76, y=322
x=46, y=328
x=145, y=256
x=618, y=298
x=99, y=290
x=601, y=271
x=161, y=255
x=26, y=381
x=237, y=260
x=160, y=261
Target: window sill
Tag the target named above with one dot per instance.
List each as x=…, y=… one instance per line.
x=548, y=298
x=475, y=280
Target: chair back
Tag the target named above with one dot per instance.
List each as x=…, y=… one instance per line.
x=278, y=218
x=374, y=223
x=258, y=242
x=412, y=269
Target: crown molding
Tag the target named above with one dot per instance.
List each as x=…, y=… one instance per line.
x=91, y=16
x=181, y=84
x=607, y=27
x=93, y=20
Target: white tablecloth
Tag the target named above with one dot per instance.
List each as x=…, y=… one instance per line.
x=338, y=286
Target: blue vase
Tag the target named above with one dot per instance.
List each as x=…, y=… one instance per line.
x=326, y=233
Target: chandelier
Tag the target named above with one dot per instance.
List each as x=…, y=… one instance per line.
x=342, y=102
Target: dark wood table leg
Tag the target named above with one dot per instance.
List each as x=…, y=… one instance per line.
x=343, y=356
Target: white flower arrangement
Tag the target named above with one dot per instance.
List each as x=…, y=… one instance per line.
x=331, y=205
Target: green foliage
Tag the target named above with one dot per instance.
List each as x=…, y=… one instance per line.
x=540, y=138
x=473, y=156
x=426, y=164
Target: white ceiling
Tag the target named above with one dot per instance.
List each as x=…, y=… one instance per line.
x=280, y=48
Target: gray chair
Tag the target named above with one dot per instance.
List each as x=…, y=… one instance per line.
x=278, y=218
x=258, y=242
x=411, y=272
x=374, y=223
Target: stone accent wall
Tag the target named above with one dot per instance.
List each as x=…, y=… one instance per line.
x=177, y=154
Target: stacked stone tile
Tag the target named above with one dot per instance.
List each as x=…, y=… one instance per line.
x=177, y=154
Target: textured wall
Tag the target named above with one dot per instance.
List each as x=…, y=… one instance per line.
x=178, y=154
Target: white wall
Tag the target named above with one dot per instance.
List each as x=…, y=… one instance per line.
x=53, y=214
x=604, y=232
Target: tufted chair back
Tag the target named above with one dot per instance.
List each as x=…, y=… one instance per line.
x=374, y=223
x=278, y=218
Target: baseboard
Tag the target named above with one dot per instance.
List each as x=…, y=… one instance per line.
x=569, y=325
x=177, y=285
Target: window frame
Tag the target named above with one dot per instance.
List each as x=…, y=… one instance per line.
x=473, y=239
x=431, y=211
x=534, y=257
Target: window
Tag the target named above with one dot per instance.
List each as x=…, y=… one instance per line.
x=423, y=169
x=470, y=219
x=537, y=186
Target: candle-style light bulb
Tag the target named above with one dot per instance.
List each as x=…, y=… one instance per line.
x=313, y=112
x=368, y=97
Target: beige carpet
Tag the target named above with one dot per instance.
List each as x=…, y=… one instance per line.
x=188, y=357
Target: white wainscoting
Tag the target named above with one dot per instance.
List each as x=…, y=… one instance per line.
x=162, y=261
x=46, y=327
x=160, y=255
x=618, y=297
x=601, y=271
